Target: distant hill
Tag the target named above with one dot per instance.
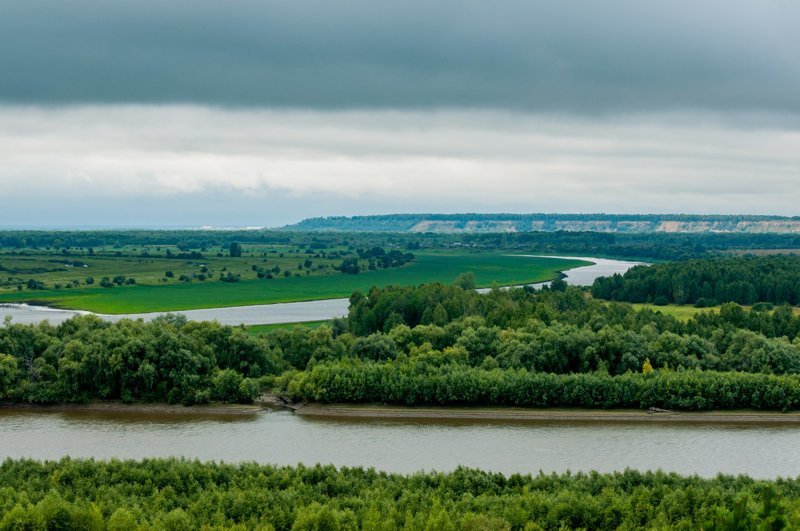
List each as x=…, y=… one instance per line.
x=616, y=223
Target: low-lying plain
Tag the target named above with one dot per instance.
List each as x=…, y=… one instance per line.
x=489, y=268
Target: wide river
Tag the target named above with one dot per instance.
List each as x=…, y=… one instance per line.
x=292, y=312
x=406, y=445
x=398, y=445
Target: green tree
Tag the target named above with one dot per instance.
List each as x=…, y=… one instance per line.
x=9, y=373
x=465, y=280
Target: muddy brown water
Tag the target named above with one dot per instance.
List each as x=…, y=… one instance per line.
x=402, y=445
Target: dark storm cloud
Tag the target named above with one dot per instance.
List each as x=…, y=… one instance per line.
x=541, y=56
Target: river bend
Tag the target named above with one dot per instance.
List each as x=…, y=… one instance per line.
x=290, y=312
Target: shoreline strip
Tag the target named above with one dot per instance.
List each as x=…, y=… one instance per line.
x=545, y=415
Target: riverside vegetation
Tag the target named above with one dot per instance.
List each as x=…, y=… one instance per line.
x=431, y=344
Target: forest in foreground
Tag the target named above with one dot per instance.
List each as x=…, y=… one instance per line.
x=178, y=494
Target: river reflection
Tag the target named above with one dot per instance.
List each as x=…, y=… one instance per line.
x=402, y=445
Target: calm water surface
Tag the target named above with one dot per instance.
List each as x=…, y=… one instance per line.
x=406, y=445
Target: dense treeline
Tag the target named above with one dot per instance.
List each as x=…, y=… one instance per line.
x=189, y=241
x=437, y=344
x=564, y=332
x=562, y=339
x=417, y=383
x=650, y=246
x=647, y=246
x=182, y=495
x=744, y=280
x=167, y=360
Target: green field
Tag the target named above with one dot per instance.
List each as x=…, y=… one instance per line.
x=257, y=330
x=683, y=313
x=150, y=264
x=442, y=266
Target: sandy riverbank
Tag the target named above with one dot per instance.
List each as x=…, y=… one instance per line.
x=548, y=415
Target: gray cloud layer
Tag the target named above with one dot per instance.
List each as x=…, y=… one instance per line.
x=190, y=165
x=561, y=56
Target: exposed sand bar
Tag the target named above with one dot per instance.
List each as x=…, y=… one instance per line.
x=548, y=415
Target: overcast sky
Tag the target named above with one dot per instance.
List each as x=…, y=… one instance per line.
x=260, y=112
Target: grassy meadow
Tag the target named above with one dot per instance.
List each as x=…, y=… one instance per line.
x=150, y=264
x=684, y=312
x=257, y=330
x=153, y=291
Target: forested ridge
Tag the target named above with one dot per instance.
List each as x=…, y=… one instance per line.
x=181, y=495
x=708, y=282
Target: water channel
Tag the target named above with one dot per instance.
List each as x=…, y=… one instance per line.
x=285, y=438
x=395, y=445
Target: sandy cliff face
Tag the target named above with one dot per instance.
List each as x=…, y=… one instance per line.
x=468, y=226
x=490, y=226
x=436, y=226
x=773, y=226
x=787, y=226
x=781, y=226
x=538, y=222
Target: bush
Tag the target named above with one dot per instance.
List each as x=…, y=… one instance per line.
x=35, y=284
x=702, y=302
x=350, y=266
x=226, y=385
x=249, y=390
